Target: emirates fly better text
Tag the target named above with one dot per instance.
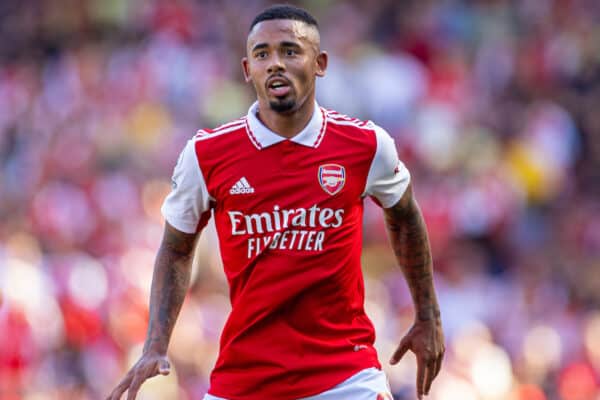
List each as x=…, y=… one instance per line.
x=285, y=229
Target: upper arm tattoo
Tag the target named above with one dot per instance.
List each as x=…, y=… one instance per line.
x=180, y=243
x=408, y=232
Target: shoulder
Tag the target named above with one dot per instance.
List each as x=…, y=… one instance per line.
x=357, y=127
x=336, y=118
x=223, y=131
x=212, y=146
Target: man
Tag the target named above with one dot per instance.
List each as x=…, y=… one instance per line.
x=286, y=186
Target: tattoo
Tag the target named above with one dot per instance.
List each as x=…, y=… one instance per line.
x=408, y=236
x=169, y=286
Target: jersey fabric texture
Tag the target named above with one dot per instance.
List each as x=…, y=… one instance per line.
x=368, y=384
x=288, y=214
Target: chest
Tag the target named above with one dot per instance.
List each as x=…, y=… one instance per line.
x=288, y=175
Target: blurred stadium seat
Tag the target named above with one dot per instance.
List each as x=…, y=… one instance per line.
x=494, y=107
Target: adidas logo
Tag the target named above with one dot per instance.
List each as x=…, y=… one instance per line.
x=241, y=187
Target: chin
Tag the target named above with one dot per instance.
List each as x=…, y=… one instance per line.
x=282, y=105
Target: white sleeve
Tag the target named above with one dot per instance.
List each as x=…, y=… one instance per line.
x=388, y=177
x=189, y=197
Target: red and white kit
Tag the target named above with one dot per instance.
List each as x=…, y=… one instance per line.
x=288, y=214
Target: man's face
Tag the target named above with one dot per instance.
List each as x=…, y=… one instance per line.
x=283, y=61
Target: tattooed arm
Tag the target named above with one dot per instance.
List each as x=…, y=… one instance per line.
x=169, y=286
x=408, y=235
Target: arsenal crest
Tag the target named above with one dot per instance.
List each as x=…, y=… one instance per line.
x=332, y=178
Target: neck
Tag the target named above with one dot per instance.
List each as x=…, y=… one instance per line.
x=286, y=124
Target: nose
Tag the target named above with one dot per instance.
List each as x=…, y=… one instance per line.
x=276, y=64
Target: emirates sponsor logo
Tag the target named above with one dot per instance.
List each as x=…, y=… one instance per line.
x=285, y=229
x=332, y=178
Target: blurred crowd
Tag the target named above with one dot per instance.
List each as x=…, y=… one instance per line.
x=494, y=106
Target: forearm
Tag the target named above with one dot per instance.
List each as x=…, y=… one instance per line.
x=410, y=242
x=170, y=282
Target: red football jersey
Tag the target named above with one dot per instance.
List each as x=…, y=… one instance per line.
x=288, y=214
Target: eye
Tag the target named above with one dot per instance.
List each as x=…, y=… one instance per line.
x=260, y=54
x=290, y=52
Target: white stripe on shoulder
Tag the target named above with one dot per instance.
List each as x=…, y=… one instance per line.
x=335, y=114
x=341, y=119
x=359, y=124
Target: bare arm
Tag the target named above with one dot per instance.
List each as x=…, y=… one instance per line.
x=408, y=236
x=169, y=286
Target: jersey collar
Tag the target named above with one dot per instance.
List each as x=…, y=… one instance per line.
x=261, y=136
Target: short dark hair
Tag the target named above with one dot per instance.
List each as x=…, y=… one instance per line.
x=284, y=11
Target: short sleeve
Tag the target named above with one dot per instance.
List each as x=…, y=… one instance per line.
x=388, y=177
x=187, y=206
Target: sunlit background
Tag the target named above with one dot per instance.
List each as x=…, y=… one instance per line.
x=495, y=108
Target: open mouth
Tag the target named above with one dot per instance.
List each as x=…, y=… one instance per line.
x=278, y=87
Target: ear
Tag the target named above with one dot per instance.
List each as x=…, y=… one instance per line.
x=246, y=70
x=322, y=60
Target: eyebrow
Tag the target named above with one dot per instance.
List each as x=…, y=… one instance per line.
x=260, y=46
x=289, y=44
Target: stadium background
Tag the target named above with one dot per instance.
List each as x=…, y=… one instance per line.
x=494, y=107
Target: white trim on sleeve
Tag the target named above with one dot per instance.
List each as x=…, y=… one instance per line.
x=388, y=177
x=189, y=197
